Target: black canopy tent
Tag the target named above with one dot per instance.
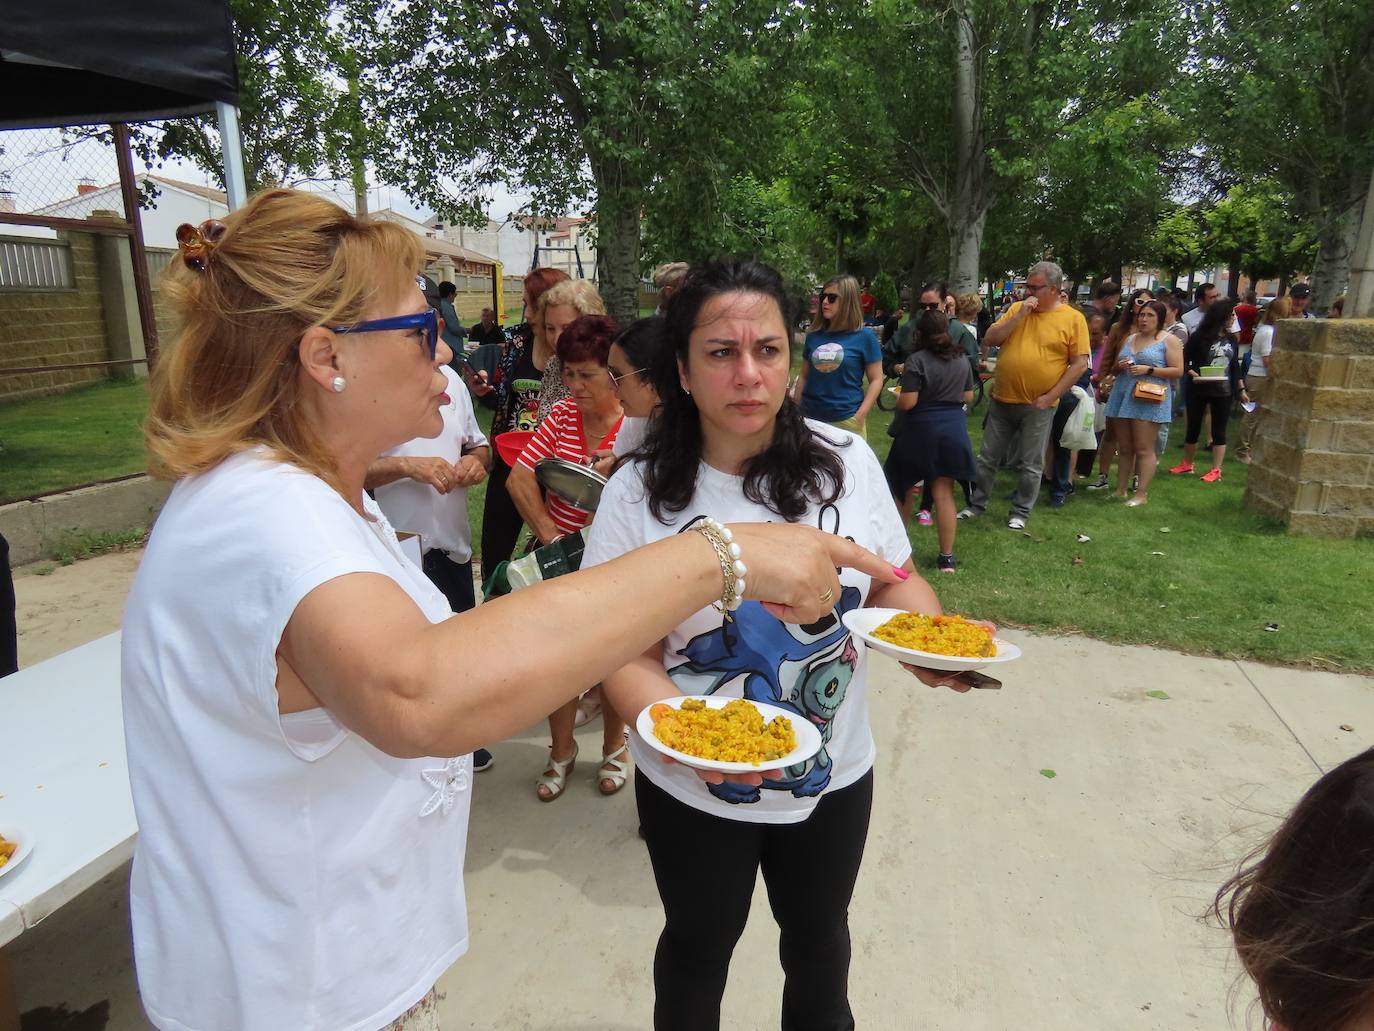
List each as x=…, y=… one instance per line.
x=88, y=62
x=82, y=62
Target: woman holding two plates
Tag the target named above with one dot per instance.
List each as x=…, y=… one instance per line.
x=729, y=444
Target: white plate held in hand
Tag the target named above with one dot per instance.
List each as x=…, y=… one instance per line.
x=808, y=737
x=21, y=838
x=862, y=623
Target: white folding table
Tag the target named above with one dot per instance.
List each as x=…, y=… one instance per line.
x=64, y=780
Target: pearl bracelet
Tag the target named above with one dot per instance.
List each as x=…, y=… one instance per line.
x=732, y=567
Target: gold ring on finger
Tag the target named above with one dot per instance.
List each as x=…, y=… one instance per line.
x=828, y=596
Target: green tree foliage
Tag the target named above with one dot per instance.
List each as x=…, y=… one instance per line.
x=1286, y=91
x=293, y=111
x=572, y=100
x=974, y=94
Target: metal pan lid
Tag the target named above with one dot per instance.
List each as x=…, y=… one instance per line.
x=578, y=485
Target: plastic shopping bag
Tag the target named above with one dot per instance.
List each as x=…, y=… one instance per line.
x=1078, y=432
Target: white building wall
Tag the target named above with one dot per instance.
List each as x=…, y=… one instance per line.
x=170, y=209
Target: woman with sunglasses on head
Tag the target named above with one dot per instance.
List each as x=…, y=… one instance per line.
x=1146, y=366
x=1104, y=376
x=729, y=439
x=519, y=382
x=840, y=354
x=299, y=701
x=580, y=425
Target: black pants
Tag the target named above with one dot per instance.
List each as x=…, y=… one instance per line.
x=9, y=632
x=1221, y=413
x=501, y=520
x=453, y=578
x=706, y=866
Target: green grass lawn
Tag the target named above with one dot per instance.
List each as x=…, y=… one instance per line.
x=92, y=433
x=1222, y=573
x=1193, y=570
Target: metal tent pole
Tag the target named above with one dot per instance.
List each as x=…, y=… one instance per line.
x=235, y=182
x=128, y=188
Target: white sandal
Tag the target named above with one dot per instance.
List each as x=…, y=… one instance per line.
x=556, y=777
x=618, y=772
x=588, y=707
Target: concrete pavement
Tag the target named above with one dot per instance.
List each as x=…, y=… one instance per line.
x=993, y=897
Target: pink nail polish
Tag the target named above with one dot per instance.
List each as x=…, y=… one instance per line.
x=902, y=574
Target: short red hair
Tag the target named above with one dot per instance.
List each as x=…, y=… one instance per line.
x=541, y=279
x=587, y=338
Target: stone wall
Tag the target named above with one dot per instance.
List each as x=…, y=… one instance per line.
x=54, y=327
x=1313, y=463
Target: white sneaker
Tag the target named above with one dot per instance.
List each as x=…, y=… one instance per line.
x=967, y=513
x=1016, y=523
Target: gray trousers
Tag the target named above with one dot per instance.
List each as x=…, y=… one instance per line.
x=1014, y=435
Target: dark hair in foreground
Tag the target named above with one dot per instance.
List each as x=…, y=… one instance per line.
x=1215, y=324
x=932, y=333
x=797, y=468
x=1299, y=909
x=642, y=340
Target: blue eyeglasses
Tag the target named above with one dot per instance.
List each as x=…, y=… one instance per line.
x=427, y=319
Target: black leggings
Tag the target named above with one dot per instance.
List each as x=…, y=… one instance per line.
x=9, y=633
x=809, y=869
x=454, y=579
x=1221, y=413
x=501, y=520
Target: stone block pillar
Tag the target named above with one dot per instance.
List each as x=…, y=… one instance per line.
x=1313, y=462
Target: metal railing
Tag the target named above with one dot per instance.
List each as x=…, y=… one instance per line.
x=35, y=265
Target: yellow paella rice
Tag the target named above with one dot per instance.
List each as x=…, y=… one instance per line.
x=7, y=849
x=940, y=635
x=735, y=733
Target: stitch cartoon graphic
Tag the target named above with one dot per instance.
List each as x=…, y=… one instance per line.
x=762, y=649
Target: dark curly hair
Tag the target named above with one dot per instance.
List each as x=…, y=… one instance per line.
x=797, y=468
x=587, y=338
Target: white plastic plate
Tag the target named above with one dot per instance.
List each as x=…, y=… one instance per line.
x=862, y=623
x=808, y=737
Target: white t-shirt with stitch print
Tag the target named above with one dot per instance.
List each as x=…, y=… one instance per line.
x=818, y=671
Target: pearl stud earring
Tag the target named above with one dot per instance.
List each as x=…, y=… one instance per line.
x=338, y=383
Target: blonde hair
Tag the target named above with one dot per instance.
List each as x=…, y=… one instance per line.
x=287, y=262
x=966, y=306
x=580, y=294
x=1278, y=308
x=849, y=309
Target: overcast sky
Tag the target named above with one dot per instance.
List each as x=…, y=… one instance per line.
x=39, y=170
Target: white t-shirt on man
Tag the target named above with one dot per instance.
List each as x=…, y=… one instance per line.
x=817, y=671
x=287, y=873
x=441, y=520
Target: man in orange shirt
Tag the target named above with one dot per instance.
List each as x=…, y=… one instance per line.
x=1044, y=351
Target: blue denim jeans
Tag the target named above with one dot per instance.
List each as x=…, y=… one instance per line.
x=1016, y=434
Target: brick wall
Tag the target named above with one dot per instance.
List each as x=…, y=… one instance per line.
x=1313, y=465
x=54, y=327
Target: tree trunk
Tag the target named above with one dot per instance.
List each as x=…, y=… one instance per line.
x=1332, y=267
x=617, y=245
x=965, y=247
x=967, y=207
x=1233, y=277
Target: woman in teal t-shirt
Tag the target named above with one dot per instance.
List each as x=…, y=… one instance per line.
x=840, y=353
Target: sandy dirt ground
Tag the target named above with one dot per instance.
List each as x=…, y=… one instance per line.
x=64, y=606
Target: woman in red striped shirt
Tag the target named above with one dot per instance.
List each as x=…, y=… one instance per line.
x=582, y=423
